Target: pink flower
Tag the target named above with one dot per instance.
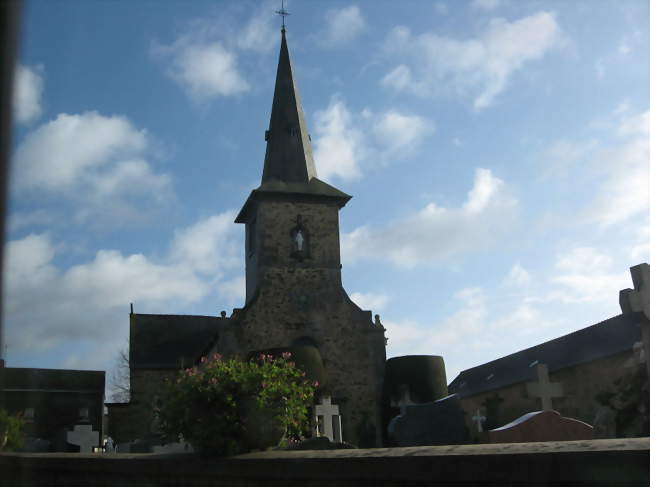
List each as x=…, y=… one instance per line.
x=286, y=355
x=202, y=359
x=316, y=384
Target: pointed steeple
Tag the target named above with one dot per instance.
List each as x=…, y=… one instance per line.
x=288, y=148
x=289, y=169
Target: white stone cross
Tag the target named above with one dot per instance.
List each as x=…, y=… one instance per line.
x=544, y=389
x=478, y=418
x=84, y=436
x=331, y=420
x=638, y=300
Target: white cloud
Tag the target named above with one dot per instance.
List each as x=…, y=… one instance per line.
x=370, y=301
x=483, y=64
x=204, y=69
x=91, y=159
x=338, y=146
x=28, y=89
x=61, y=154
x=205, y=247
x=47, y=305
x=260, y=33
x=518, y=276
x=625, y=192
x=634, y=125
x=472, y=333
x=342, y=25
x=400, y=132
x=435, y=233
x=345, y=142
x=233, y=290
x=584, y=275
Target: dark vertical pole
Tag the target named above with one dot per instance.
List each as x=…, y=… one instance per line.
x=9, y=15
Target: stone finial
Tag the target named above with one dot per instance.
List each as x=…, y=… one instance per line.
x=637, y=299
x=377, y=320
x=223, y=314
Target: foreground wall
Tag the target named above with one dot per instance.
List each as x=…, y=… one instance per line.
x=590, y=463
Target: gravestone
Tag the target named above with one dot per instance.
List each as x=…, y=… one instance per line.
x=436, y=423
x=328, y=420
x=540, y=426
x=82, y=435
x=479, y=419
x=544, y=389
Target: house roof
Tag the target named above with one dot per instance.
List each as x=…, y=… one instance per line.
x=18, y=379
x=601, y=340
x=170, y=341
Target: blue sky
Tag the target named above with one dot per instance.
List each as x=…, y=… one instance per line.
x=498, y=153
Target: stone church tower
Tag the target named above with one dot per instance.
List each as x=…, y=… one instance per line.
x=294, y=294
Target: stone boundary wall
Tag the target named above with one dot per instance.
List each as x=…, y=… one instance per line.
x=618, y=462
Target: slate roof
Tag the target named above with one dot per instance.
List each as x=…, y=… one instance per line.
x=288, y=145
x=169, y=341
x=601, y=340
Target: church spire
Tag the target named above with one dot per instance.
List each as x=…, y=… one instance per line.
x=288, y=146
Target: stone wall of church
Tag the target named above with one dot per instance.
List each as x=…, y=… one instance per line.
x=302, y=301
x=145, y=388
x=581, y=383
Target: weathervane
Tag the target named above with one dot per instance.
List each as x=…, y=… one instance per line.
x=283, y=13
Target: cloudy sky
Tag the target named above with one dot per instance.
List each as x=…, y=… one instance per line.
x=498, y=152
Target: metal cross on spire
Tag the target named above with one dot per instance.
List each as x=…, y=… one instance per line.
x=283, y=12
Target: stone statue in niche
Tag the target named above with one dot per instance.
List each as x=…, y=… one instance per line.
x=299, y=240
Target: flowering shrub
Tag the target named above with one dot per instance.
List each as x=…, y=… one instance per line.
x=208, y=405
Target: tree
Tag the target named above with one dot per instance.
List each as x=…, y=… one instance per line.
x=119, y=378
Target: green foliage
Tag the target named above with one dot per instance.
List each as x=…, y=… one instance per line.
x=11, y=434
x=207, y=405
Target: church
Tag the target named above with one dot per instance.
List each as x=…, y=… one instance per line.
x=295, y=301
x=294, y=292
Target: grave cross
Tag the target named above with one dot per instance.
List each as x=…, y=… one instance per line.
x=638, y=300
x=331, y=419
x=478, y=418
x=544, y=389
x=84, y=436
